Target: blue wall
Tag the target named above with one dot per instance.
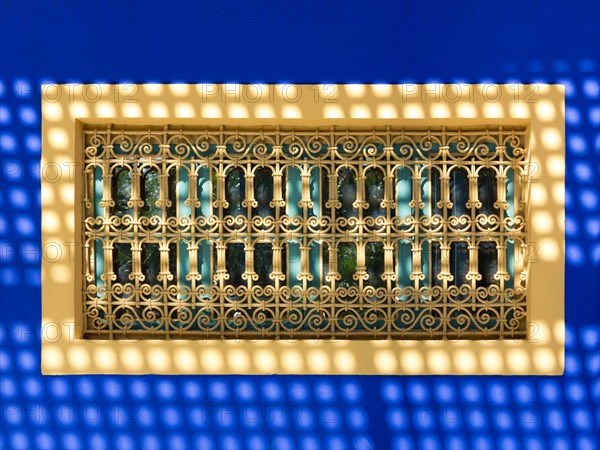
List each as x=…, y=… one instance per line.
x=322, y=41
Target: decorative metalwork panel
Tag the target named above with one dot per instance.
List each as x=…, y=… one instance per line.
x=304, y=232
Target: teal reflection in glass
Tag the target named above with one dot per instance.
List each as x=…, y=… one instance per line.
x=293, y=250
x=294, y=191
x=404, y=266
x=510, y=192
x=404, y=191
x=510, y=264
x=183, y=186
x=374, y=257
x=374, y=191
x=425, y=258
x=99, y=261
x=425, y=192
x=98, y=191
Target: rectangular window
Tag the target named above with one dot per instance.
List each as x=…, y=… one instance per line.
x=283, y=232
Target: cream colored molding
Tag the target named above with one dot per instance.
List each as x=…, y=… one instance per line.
x=65, y=108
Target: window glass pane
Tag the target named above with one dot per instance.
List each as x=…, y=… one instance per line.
x=235, y=192
x=263, y=191
x=294, y=189
x=305, y=247
x=375, y=192
x=374, y=257
x=263, y=263
x=150, y=187
x=487, y=263
x=121, y=191
x=459, y=192
x=347, y=264
x=459, y=262
x=236, y=264
x=347, y=192
x=487, y=194
x=151, y=263
x=122, y=262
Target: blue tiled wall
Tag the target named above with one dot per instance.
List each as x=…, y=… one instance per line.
x=320, y=41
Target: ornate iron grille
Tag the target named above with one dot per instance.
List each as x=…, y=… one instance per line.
x=304, y=232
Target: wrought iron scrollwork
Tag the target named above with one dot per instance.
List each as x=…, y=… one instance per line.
x=305, y=233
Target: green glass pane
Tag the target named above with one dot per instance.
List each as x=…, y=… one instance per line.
x=374, y=190
x=122, y=262
x=99, y=261
x=236, y=264
x=235, y=192
x=150, y=192
x=121, y=191
x=150, y=263
x=263, y=193
x=293, y=263
x=374, y=257
x=347, y=263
